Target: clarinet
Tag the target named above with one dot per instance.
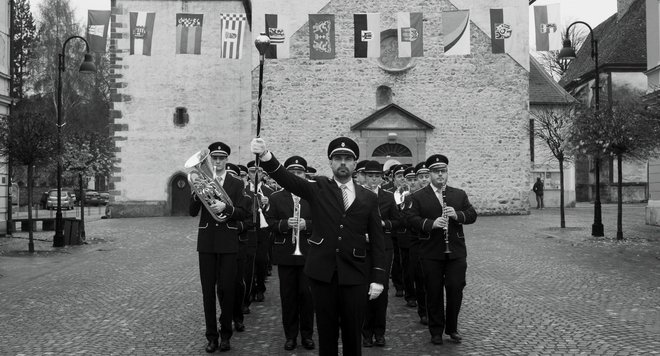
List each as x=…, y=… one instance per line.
x=445, y=230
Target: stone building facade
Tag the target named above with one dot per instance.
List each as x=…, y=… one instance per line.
x=5, y=102
x=474, y=108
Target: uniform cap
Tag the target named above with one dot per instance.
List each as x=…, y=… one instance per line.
x=359, y=167
x=295, y=162
x=343, y=145
x=399, y=168
x=421, y=168
x=232, y=168
x=242, y=168
x=409, y=172
x=437, y=161
x=219, y=149
x=373, y=167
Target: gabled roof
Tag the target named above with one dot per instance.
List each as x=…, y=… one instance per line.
x=543, y=90
x=621, y=47
x=392, y=117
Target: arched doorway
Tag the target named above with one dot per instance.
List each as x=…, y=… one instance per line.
x=392, y=153
x=180, y=194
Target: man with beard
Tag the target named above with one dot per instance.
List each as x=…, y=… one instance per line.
x=373, y=330
x=346, y=258
x=217, y=245
x=439, y=212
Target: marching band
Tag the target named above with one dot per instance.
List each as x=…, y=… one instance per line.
x=410, y=222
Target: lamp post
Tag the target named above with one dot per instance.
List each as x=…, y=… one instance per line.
x=87, y=66
x=568, y=52
x=261, y=42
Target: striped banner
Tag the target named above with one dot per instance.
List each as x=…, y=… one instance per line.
x=367, y=35
x=97, y=29
x=547, y=20
x=411, y=34
x=275, y=34
x=232, y=33
x=189, y=33
x=142, y=28
x=456, y=32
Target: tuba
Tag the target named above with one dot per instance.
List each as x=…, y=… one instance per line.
x=207, y=188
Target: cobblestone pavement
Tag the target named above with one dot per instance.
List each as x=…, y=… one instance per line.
x=533, y=289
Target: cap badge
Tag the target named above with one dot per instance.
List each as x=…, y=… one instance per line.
x=343, y=144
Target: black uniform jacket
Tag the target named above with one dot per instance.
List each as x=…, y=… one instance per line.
x=389, y=213
x=350, y=243
x=279, y=211
x=423, y=208
x=217, y=237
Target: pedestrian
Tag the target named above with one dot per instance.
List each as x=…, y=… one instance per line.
x=345, y=262
x=373, y=330
x=290, y=220
x=439, y=212
x=217, y=245
x=538, y=190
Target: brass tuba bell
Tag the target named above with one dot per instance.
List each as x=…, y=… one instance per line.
x=207, y=188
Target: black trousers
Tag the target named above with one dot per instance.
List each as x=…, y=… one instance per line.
x=396, y=272
x=241, y=287
x=408, y=271
x=339, y=306
x=248, y=276
x=297, y=305
x=218, y=276
x=441, y=275
x=420, y=289
x=261, y=261
x=376, y=312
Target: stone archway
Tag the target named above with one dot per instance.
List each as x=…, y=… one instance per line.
x=179, y=195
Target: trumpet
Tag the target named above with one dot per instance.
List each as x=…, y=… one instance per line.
x=445, y=229
x=295, y=234
x=208, y=189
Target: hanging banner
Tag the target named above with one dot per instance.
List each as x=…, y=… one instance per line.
x=189, y=33
x=142, y=28
x=411, y=34
x=232, y=33
x=321, y=36
x=367, y=35
x=456, y=32
x=97, y=29
x=547, y=20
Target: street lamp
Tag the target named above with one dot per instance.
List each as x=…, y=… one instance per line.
x=568, y=52
x=261, y=42
x=87, y=66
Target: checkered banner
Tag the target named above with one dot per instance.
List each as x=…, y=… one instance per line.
x=232, y=34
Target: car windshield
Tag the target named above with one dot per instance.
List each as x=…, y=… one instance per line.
x=54, y=193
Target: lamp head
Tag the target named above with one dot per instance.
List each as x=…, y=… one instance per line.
x=88, y=65
x=262, y=42
x=567, y=52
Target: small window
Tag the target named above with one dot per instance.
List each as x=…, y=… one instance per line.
x=383, y=96
x=180, y=116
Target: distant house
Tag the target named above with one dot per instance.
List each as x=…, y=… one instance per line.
x=546, y=94
x=653, y=98
x=622, y=63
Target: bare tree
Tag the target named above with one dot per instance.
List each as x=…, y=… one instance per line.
x=554, y=127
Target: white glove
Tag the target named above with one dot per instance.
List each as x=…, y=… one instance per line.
x=258, y=146
x=374, y=290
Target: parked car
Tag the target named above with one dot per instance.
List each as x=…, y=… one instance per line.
x=65, y=199
x=105, y=197
x=92, y=198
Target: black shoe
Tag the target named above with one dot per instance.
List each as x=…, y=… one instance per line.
x=411, y=303
x=367, y=342
x=456, y=337
x=380, y=340
x=239, y=326
x=308, y=344
x=224, y=345
x=246, y=310
x=290, y=344
x=212, y=346
x=437, y=340
x=399, y=293
x=424, y=320
x=259, y=297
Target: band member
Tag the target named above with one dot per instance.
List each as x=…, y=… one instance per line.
x=439, y=212
x=263, y=241
x=423, y=179
x=359, y=176
x=399, y=238
x=290, y=220
x=388, y=182
x=217, y=245
x=311, y=172
x=243, y=171
x=240, y=290
x=346, y=257
x=405, y=236
x=373, y=330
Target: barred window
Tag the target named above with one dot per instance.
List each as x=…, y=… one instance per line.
x=180, y=116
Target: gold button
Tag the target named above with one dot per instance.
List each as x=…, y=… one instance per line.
x=339, y=238
x=341, y=226
x=337, y=250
